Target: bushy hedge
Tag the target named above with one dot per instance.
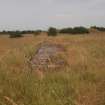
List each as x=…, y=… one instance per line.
x=52, y=31
x=98, y=28
x=75, y=30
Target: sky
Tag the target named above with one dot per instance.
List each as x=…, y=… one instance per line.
x=41, y=14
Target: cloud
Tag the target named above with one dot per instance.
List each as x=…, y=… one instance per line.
x=43, y=13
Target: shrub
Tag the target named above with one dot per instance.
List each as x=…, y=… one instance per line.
x=52, y=31
x=15, y=34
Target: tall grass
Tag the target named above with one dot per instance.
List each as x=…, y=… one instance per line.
x=82, y=83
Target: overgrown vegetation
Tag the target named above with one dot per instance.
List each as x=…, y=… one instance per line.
x=83, y=83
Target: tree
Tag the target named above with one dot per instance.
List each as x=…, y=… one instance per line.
x=80, y=30
x=52, y=31
x=75, y=30
x=66, y=30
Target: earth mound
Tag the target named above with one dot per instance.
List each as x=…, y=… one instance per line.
x=49, y=56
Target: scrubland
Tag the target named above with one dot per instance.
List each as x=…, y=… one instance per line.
x=82, y=83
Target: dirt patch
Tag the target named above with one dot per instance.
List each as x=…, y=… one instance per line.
x=49, y=56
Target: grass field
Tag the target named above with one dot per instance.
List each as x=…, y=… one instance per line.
x=82, y=83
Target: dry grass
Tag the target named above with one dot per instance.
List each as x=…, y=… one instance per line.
x=83, y=83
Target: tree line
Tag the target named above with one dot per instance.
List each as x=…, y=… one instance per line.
x=53, y=31
x=76, y=30
x=14, y=34
x=99, y=28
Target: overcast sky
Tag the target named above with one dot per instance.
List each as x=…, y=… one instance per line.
x=40, y=14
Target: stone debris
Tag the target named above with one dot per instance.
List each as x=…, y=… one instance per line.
x=49, y=56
